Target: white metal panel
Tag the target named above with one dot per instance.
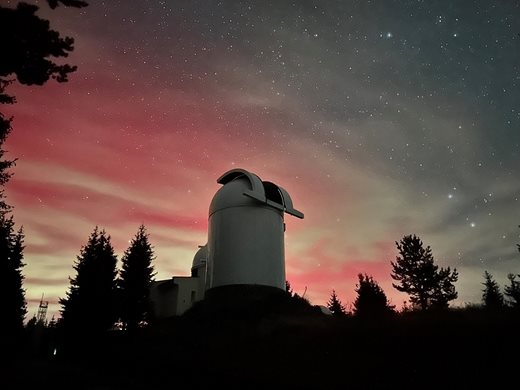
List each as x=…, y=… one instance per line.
x=246, y=232
x=246, y=246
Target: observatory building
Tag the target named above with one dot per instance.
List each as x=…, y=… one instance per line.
x=245, y=244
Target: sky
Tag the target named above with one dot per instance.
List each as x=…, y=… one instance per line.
x=380, y=118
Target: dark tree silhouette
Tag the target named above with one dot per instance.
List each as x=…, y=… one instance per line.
x=444, y=291
x=136, y=276
x=90, y=301
x=11, y=278
x=27, y=43
x=32, y=323
x=492, y=298
x=419, y=277
x=288, y=288
x=371, y=300
x=335, y=305
x=512, y=291
x=5, y=175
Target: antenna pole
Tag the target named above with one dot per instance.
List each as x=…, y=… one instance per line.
x=42, y=311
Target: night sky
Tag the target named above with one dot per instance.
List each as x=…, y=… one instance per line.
x=380, y=118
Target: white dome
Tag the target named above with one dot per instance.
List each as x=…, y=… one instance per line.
x=200, y=257
x=246, y=232
x=232, y=195
x=243, y=188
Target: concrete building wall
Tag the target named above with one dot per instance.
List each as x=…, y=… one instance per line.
x=187, y=293
x=163, y=296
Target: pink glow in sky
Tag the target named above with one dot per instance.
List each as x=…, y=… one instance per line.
x=370, y=142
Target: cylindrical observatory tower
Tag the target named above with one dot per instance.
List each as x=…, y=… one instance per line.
x=246, y=232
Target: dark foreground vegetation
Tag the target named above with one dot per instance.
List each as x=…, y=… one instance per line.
x=280, y=342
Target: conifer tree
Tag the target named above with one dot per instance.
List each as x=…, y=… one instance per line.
x=90, y=301
x=288, y=288
x=419, y=277
x=492, y=297
x=136, y=276
x=444, y=290
x=335, y=305
x=27, y=45
x=512, y=292
x=371, y=300
x=5, y=175
x=11, y=244
x=11, y=278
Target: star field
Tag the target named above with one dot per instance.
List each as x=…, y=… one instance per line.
x=381, y=118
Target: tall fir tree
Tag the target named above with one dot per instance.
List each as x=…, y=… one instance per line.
x=26, y=43
x=512, y=291
x=90, y=302
x=11, y=278
x=335, y=305
x=136, y=277
x=11, y=244
x=492, y=297
x=5, y=175
x=288, y=288
x=444, y=290
x=371, y=300
x=419, y=276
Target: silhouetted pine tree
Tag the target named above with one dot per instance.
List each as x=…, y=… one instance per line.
x=288, y=288
x=335, y=305
x=11, y=244
x=371, y=300
x=27, y=43
x=5, y=175
x=444, y=291
x=135, y=279
x=90, y=301
x=32, y=323
x=420, y=277
x=492, y=298
x=11, y=278
x=512, y=292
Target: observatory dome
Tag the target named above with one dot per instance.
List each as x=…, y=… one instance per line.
x=232, y=194
x=239, y=182
x=200, y=257
x=246, y=232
